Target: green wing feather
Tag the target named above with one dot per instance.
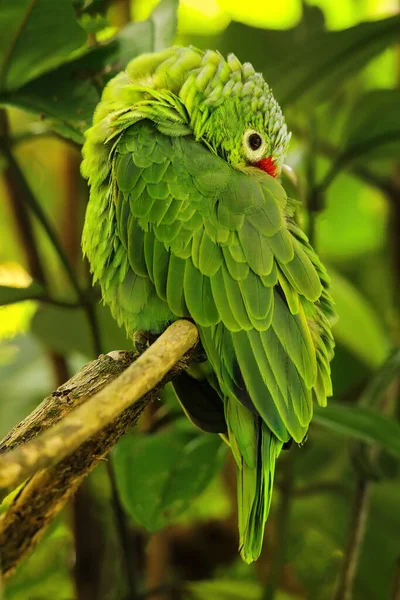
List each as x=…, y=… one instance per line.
x=203, y=240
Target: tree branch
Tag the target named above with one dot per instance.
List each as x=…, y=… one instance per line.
x=99, y=411
x=108, y=396
x=46, y=493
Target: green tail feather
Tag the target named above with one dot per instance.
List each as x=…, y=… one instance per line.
x=255, y=493
x=255, y=449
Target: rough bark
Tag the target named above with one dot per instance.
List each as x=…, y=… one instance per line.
x=107, y=396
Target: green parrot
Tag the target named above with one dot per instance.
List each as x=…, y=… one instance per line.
x=187, y=219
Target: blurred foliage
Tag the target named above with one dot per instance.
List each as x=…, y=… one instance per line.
x=334, y=68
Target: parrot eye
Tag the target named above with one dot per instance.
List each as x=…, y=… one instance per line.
x=254, y=145
x=254, y=141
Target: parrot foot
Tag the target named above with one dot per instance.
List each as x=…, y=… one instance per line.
x=142, y=340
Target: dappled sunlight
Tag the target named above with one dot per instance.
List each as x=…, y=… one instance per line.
x=15, y=318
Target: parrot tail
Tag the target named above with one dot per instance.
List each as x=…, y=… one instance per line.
x=255, y=449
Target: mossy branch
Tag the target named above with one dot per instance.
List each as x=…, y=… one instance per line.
x=107, y=397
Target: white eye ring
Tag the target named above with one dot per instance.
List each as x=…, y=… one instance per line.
x=254, y=145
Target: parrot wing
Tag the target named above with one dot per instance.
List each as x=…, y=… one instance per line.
x=212, y=243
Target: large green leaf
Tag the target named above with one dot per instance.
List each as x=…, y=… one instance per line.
x=159, y=475
x=301, y=66
x=353, y=223
x=64, y=98
x=163, y=24
x=152, y=35
x=377, y=387
x=359, y=328
x=373, y=127
x=36, y=36
x=361, y=423
x=68, y=95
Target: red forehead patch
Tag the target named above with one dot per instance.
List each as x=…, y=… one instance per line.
x=268, y=165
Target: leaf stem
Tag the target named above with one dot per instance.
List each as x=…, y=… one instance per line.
x=358, y=523
x=348, y=156
x=327, y=149
x=46, y=300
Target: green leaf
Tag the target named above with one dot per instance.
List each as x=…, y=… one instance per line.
x=163, y=21
x=36, y=36
x=159, y=475
x=326, y=60
x=359, y=328
x=309, y=67
x=156, y=33
x=65, y=99
x=152, y=35
x=67, y=96
x=9, y=295
x=354, y=221
x=378, y=385
x=361, y=423
x=373, y=127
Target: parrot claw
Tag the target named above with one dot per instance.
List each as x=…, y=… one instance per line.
x=142, y=340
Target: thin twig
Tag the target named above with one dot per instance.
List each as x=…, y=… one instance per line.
x=358, y=523
x=123, y=532
x=89, y=418
x=345, y=159
x=324, y=487
x=31, y=201
x=47, y=300
x=22, y=219
x=327, y=149
x=37, y=210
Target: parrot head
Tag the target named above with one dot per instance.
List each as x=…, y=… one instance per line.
x=242, y=136
x=245, y=124
x=225, y=104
